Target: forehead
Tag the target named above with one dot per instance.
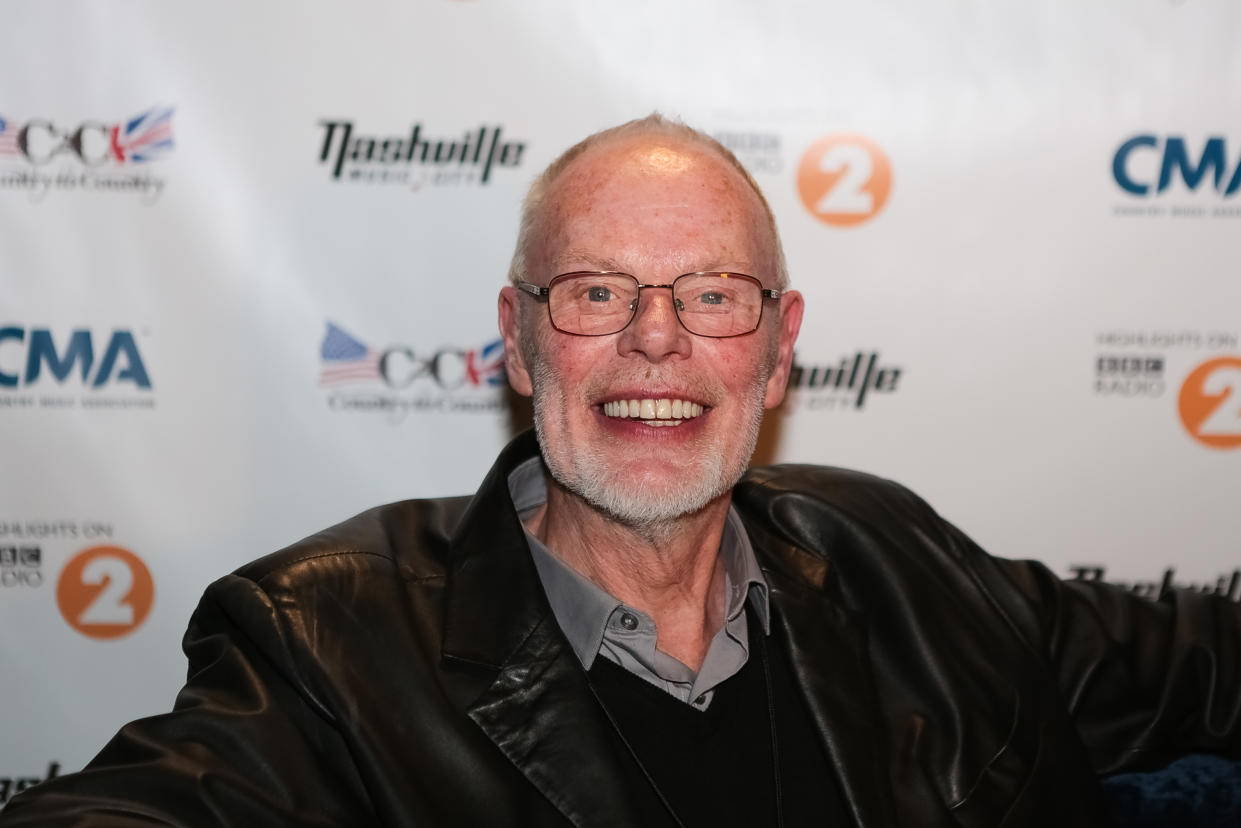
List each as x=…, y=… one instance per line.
x=654, y=205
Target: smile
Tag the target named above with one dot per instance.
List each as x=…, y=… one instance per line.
x=663, y=412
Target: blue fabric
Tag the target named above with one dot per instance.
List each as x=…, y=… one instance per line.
x=1196, y=791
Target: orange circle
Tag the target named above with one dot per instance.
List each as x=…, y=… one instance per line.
x=105, y=592
x=1210, y=403
x=844, y=179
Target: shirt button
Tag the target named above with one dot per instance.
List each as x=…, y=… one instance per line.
x=701, y=700
x=628, y=621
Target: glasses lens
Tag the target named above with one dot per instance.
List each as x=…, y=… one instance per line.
x=592, y=304
x=718, y=304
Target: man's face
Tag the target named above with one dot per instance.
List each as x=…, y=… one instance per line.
x=655, y=208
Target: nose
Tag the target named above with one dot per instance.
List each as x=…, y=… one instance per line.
x=655, y=333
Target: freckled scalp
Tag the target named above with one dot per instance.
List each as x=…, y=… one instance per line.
x=657, y=148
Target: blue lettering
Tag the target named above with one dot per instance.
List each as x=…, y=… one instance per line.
x=10, y=380
x=43, y=350
x=1174, y=156
x=1235, y=182
x=1120, y=170
x=123, y=343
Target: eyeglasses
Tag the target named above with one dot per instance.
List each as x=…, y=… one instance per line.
x=590, y=303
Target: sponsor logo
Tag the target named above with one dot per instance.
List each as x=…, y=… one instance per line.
x=758, y=152
x=846, y=385
x=97, y=156
x=29, y=530
x=444, y=379
x=1135, y=365
x=844, y=179
x=1177, y=177
x=1210, y=403
x=1227, y=585
x=419, y=159
x=35, y=358
x=1128, y=375
x=10, y=786
x=105, y=592
x=21, y=565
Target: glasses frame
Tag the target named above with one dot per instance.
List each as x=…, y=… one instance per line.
x=544, y=294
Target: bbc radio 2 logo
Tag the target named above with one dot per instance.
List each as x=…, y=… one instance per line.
x=1210, y=403
x=844, y=179
x=105, y=592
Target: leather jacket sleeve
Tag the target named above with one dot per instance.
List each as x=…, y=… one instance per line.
x=245, y=745
x=1144, y=681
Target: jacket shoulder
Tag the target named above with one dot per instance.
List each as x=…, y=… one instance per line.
x=413, y=536
x=845, y=491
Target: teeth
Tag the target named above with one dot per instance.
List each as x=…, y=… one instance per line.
x=665, y=412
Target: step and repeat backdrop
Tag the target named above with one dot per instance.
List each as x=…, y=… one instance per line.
x=249, y=255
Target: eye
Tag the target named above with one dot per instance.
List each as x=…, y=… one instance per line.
x=598, y=293
x=712, y=298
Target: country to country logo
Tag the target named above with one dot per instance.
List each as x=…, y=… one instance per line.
x=137, y=140
x=1210, y=403
x=346, y=358
x=146, y=137
x=8, y=138
x=105, y=592
x=844, y=179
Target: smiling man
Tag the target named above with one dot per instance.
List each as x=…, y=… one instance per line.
x=625, y=627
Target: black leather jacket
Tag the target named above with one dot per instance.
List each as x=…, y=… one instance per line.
x=403, y=668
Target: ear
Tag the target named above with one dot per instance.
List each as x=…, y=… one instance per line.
x=510, y=332
x=791, y=307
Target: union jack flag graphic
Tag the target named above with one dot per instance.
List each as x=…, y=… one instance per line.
x=8, y=136
x=143, y=138
x=345, y=358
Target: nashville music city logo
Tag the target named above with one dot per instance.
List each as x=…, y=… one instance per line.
x=845, y=385
x=418, y=159
x=39, y=155
x=399, y=380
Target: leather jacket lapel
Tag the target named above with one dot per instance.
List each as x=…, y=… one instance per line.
x=533, y=700
x=541, y=713
x=827, y=646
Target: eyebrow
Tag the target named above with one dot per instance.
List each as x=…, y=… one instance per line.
x=597, y=262
x=604, y=263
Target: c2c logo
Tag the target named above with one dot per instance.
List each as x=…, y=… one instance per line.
x=1210, y=403
x=105, y=592
x=844, y=179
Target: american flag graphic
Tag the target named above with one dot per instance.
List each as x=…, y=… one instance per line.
x=143, y=138
x=345, y=359
x=8, y=136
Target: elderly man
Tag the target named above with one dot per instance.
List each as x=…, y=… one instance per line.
x=624, y=627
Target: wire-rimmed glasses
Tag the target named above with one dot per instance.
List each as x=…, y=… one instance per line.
x=597, y=303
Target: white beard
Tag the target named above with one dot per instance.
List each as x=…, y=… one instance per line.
x=585, y=470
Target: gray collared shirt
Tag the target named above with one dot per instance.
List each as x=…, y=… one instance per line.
x=596, y=623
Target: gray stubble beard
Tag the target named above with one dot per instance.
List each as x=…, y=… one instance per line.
x=584, y=472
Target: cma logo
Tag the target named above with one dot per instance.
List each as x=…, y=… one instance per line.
x=121, y=360
x=1147, y=162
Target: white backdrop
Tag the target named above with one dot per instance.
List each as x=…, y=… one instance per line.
x=223, y=325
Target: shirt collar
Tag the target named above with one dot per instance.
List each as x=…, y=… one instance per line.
x=582, y=609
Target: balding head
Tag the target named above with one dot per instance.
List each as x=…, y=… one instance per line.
x=541, y=205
